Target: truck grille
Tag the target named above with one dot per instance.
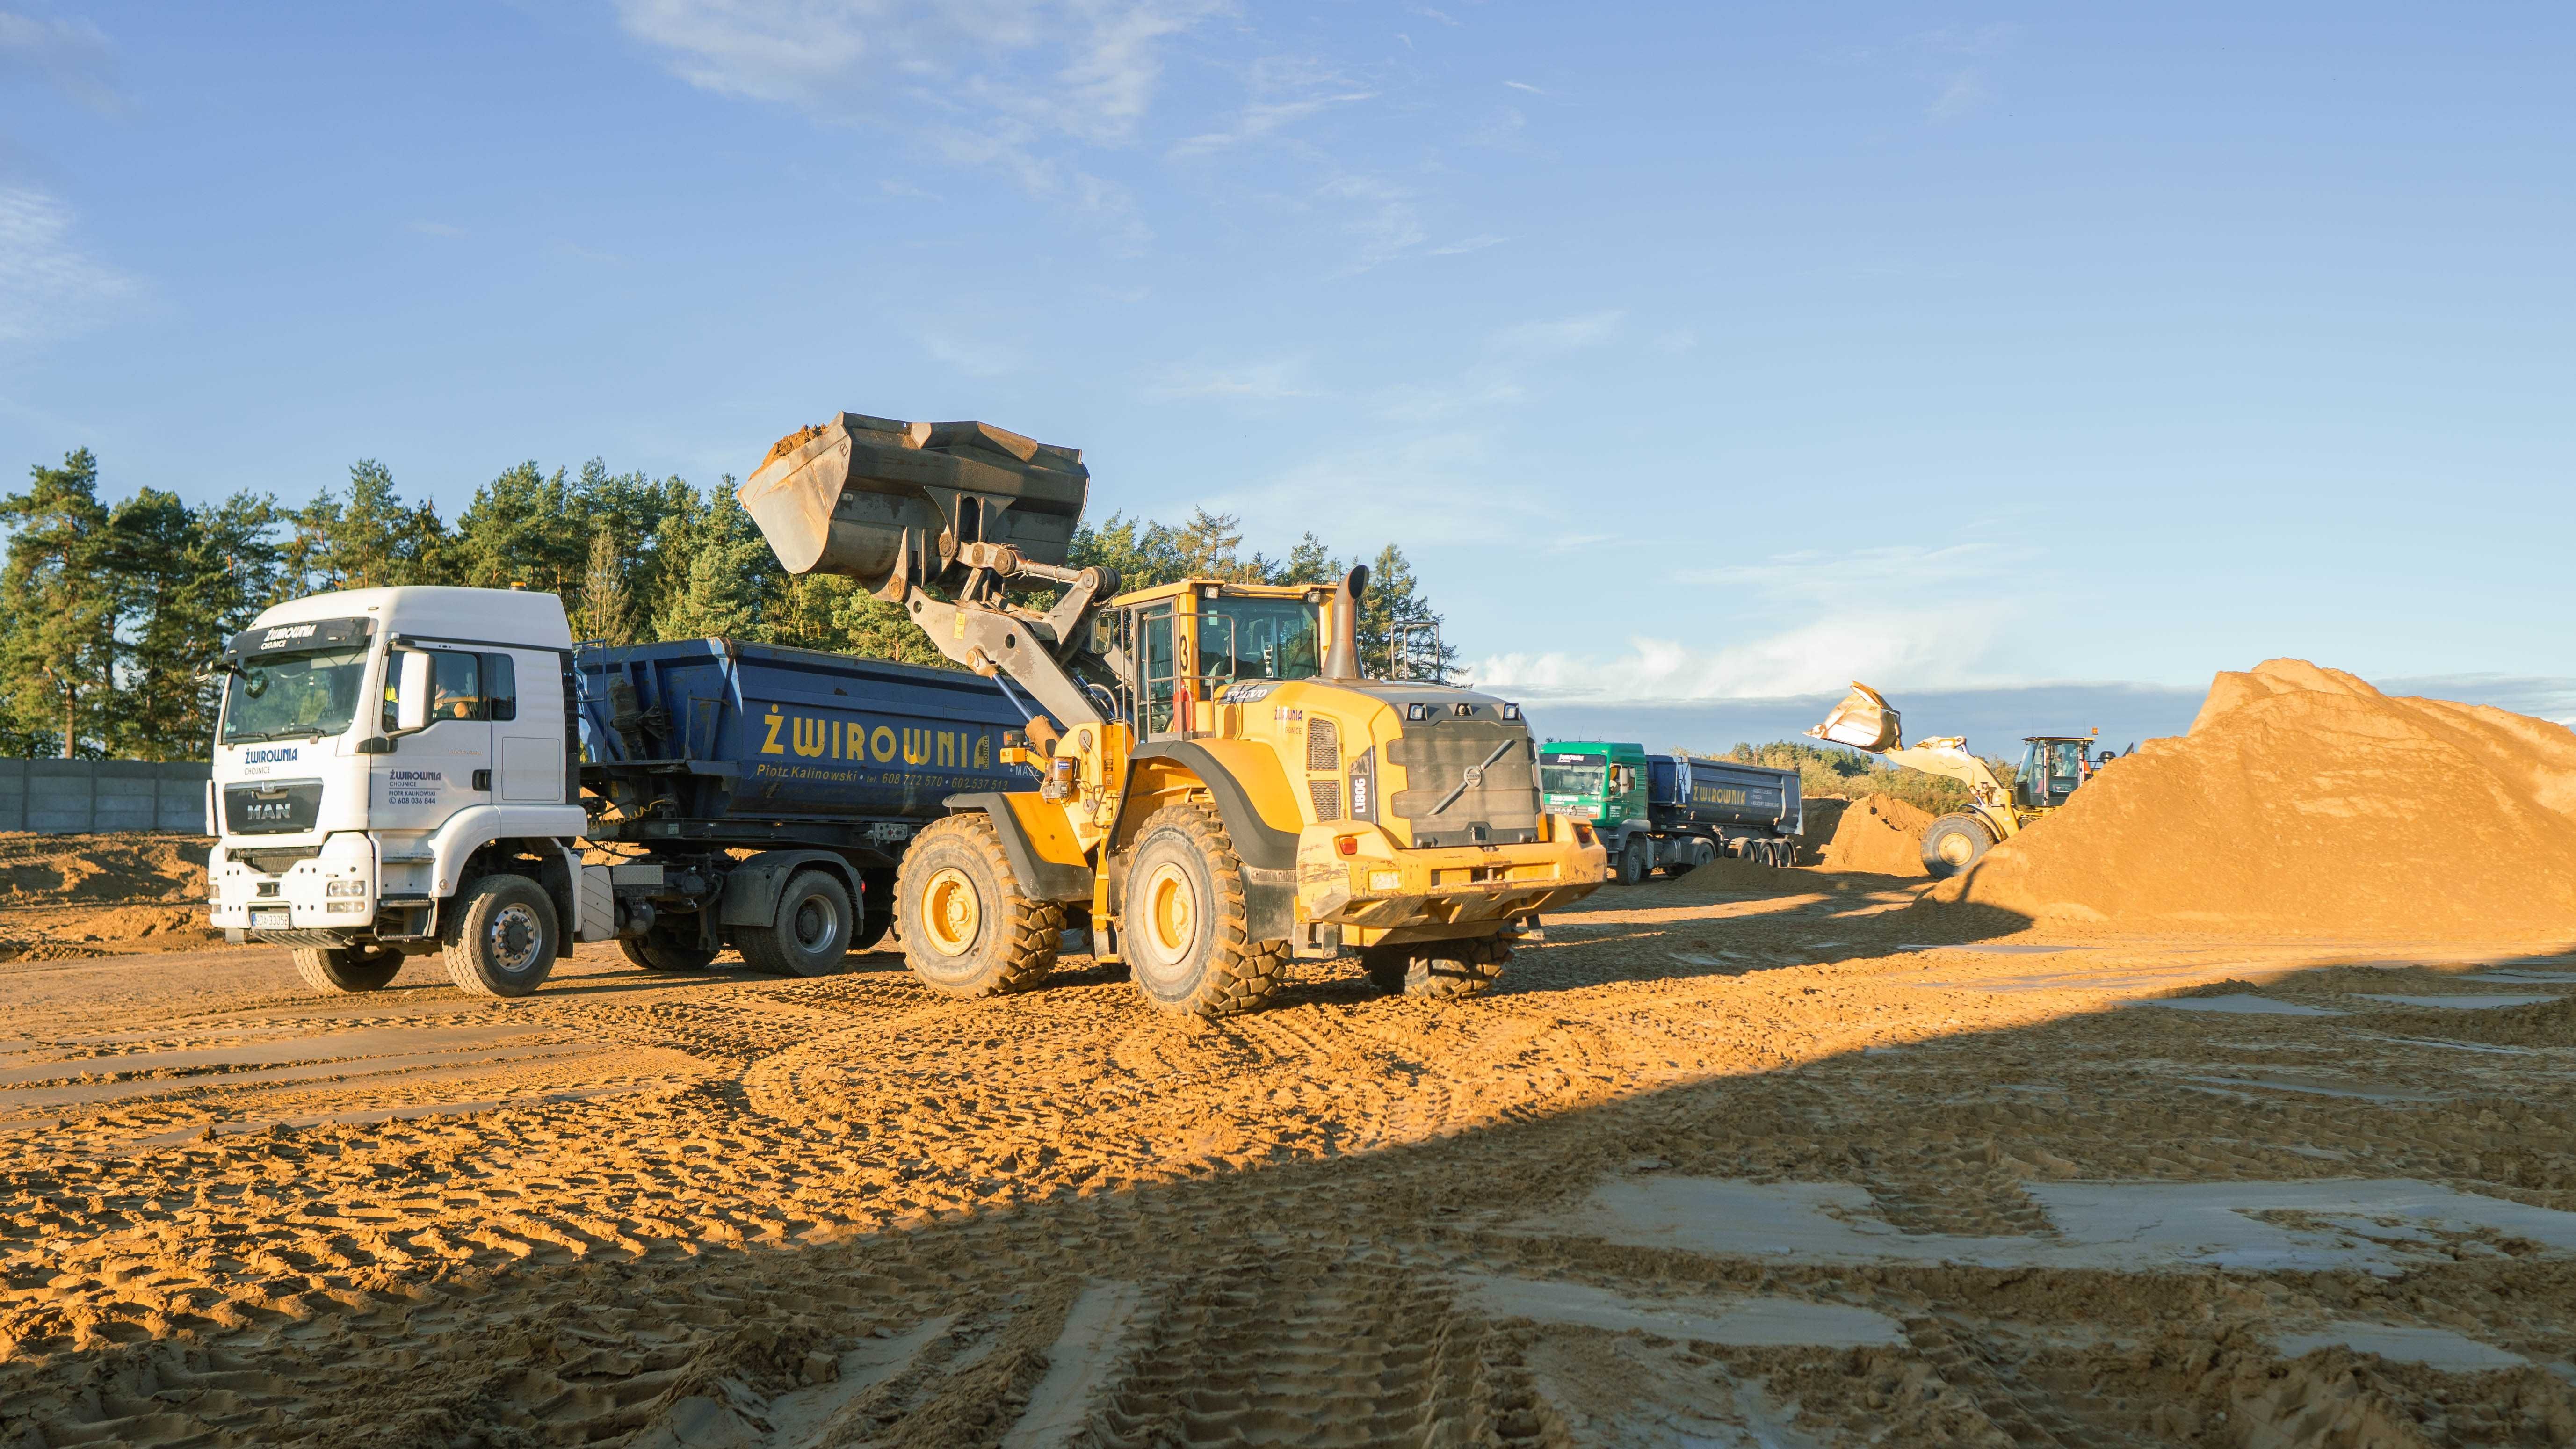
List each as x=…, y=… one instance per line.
x=1499, y=805
x=272, y=807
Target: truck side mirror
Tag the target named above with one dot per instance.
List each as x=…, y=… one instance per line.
x=411, y=691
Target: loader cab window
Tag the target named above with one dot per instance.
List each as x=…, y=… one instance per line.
x=1158, y=667
x=2050, y=771
x=1257, y=639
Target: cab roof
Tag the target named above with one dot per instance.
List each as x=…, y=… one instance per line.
x=1313, y=593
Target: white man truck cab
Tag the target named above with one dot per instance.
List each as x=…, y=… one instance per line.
x=397, y=773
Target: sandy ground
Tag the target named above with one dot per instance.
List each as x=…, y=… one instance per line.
x=1746, y=1158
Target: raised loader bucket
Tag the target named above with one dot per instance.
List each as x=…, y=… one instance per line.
x=882, y=501
x=1864, y=721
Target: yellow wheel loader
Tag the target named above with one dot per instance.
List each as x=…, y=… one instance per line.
x=1219, y=789
x=2052, y=766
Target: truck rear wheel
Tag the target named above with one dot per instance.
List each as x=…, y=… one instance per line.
x=499, y=937
x=1436, y=968
x=812, y=933
x=1953, y=843
x=337, y=971
x=968, y=928
x=1183, y=923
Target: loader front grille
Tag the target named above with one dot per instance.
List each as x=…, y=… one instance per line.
x=1494, y=762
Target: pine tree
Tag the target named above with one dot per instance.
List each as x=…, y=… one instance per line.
x=606, y=613
x=1308, y=563
x=59, y=602
x=1141, y=552
x=730, y=577
x=522, y=531
x=149, y=559
x=1395, y=599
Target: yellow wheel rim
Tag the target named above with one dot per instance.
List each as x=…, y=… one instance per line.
x=1956, y=848
x=951, y=912
x=1171, y=911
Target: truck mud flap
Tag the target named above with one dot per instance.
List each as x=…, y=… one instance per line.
x=751, y=889
x=1045, y=879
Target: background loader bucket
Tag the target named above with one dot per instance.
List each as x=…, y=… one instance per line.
x=885, y=501
x=1863, y=720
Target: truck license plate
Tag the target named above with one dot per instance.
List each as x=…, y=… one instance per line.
x=268, y=920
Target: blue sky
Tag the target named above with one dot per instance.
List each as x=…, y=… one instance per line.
x=1696, y=354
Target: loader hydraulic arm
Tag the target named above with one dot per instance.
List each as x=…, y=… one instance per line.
x=987, y=633
x=1950, y=758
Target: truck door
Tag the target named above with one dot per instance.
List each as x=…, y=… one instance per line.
x=530, y=731
x=446, y=765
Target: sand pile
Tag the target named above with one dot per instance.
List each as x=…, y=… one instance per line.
x=1879, y=834
x=68, y=896
x=2304, y=800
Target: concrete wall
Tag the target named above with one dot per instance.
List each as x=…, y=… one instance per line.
x=74, y=797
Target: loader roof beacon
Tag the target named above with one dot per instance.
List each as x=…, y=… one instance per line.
x=2052, y=766
x=1220, y=788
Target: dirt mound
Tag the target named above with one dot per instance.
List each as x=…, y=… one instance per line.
x=1879, y=834
x=101, y=869
x=2304, y=800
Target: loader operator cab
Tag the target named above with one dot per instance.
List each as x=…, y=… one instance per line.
x=2051, y=769
x=1184, y=644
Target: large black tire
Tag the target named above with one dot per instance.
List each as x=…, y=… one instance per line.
x=1953, y=843
x=1437, y=968
x=1632, y=862
x=812, y=929
x=1183, y=923
x=876, y=908
x=659, y=952
x=338, y=971
x=968, y=928
x=499, y=936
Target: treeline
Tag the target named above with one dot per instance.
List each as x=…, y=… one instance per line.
x=1850, y=774
x=110, y=613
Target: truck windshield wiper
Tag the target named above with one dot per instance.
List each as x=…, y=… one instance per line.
x=299, y=732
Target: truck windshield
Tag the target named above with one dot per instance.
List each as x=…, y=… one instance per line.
x=270, y=695
x=1271, y=639
x=1569, y=779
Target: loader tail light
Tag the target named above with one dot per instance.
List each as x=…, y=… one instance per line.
x=1582, y=833
x=1347, y=844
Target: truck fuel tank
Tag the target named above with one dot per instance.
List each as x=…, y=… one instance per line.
x=885, y=502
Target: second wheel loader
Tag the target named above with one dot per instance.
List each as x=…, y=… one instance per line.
x=1220, y=789
x=2051, y=768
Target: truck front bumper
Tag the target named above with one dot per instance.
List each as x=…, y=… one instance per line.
x=1377, y=891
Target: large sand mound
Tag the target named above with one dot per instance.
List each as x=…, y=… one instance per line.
x=1879, y=834
x=2304, y=800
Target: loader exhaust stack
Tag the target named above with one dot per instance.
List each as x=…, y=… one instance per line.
x=1342, y=660
x=892, y=503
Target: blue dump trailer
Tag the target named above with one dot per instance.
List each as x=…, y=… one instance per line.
x=760, y=797
x=1744, y=809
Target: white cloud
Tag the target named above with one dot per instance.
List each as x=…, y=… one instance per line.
x=974, y=356
x=1384, y=224
x=1965, y=92
x=1018, y=86
x=49, y=288
x=1273, y=380
x=1808, y=622
x=1526, y=86
x=1917, y=651
x=73, y=55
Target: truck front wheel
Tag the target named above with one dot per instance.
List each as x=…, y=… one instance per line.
x=499, y=937
x=1183, y=923
x=338, y=971
x=1953, y=843
x=968, y=928
x=1632, y=862
x=1436, y=968
x=812, y=933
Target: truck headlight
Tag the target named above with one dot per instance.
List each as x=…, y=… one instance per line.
x=345, y=888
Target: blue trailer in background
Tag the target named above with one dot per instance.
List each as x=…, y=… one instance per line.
x=751, y=792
